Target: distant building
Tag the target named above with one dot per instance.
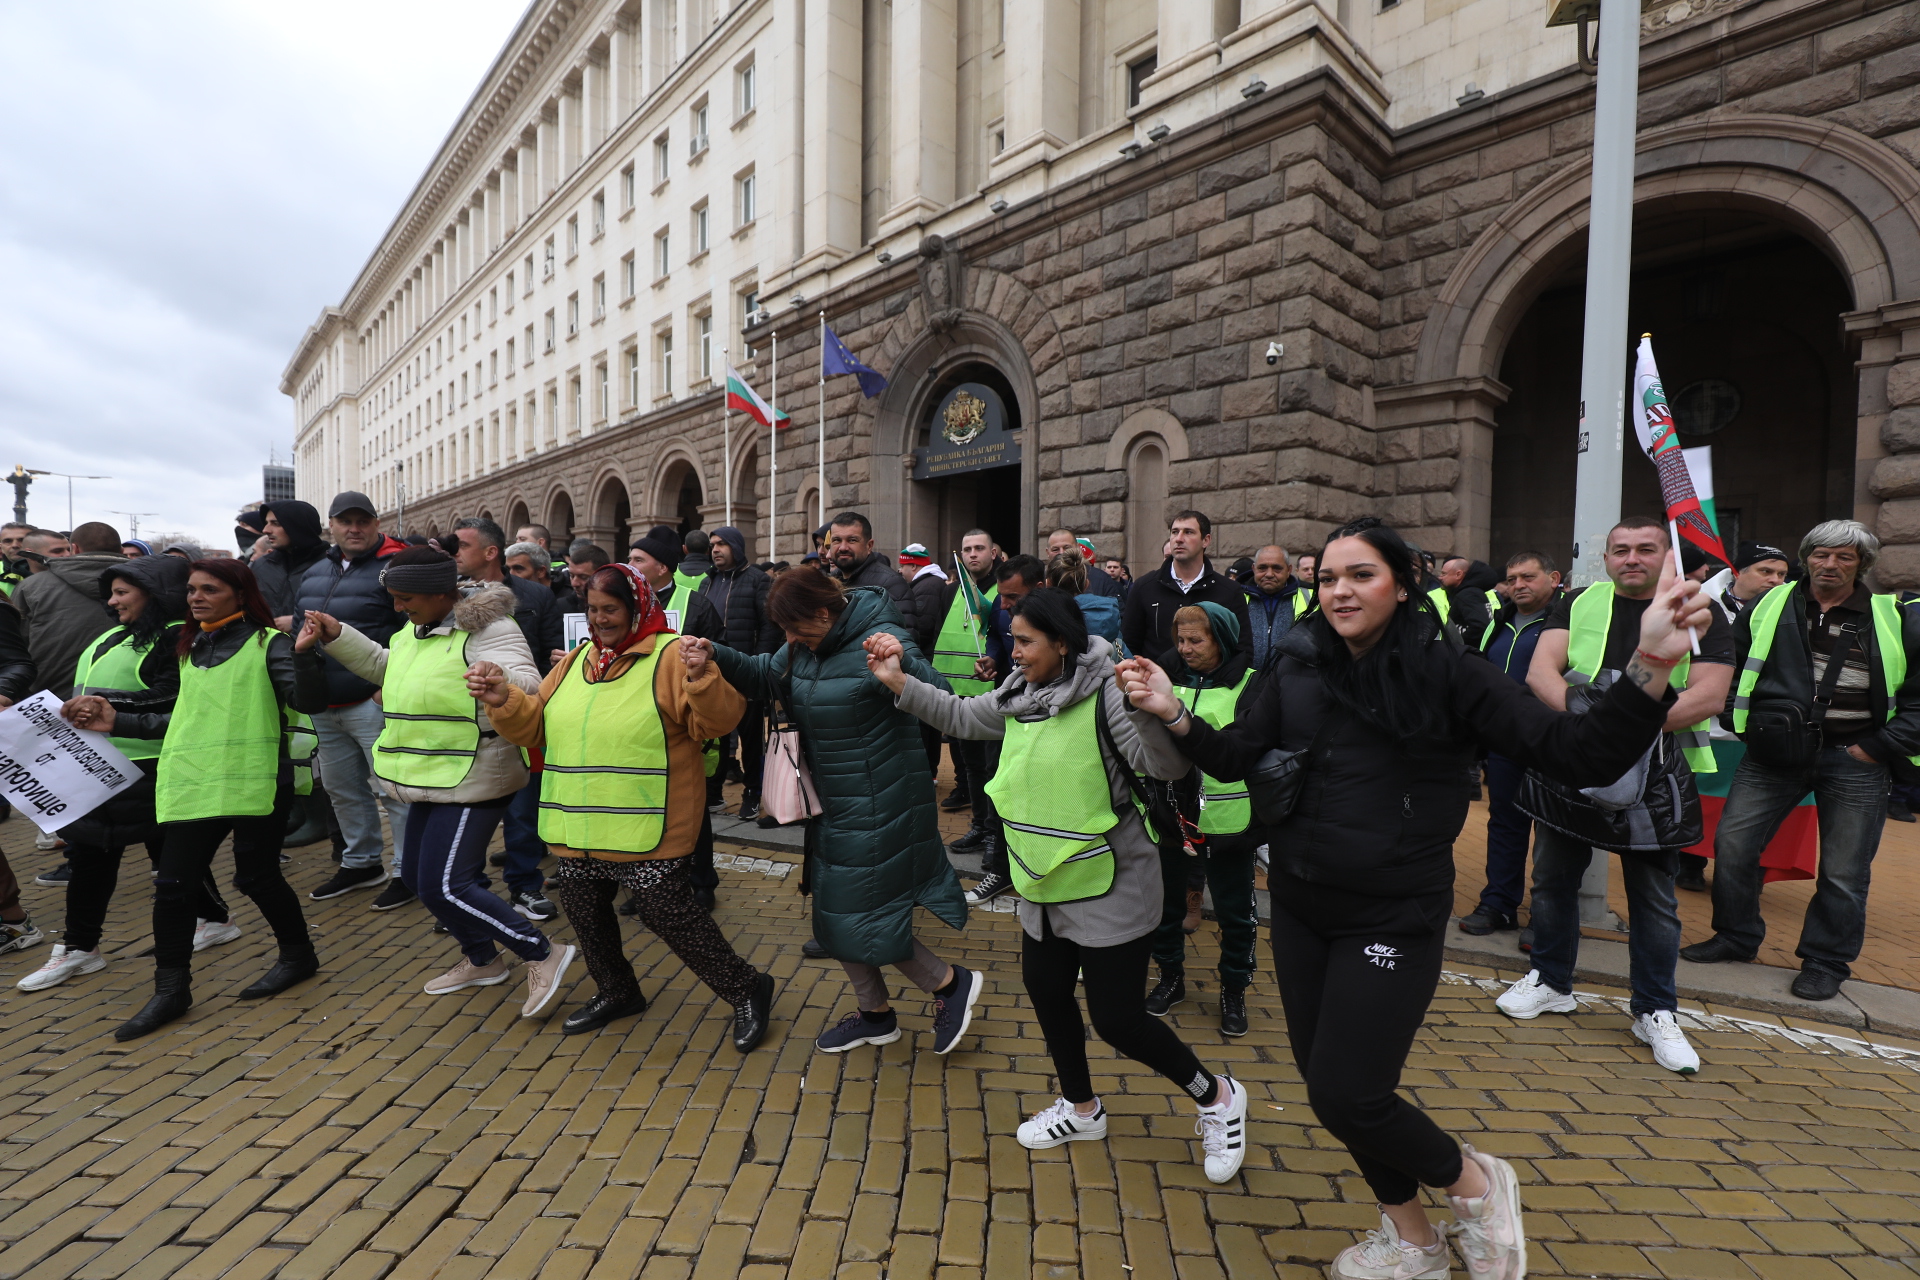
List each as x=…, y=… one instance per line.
x=276, y=482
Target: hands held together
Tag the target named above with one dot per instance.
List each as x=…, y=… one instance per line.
x=884, y=652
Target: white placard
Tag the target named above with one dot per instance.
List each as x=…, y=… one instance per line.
x=576, y=627
x=53, y=772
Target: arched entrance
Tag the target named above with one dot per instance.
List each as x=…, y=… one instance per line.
x=517, y=517
x=612, y=516
x=942, y=507
x=559, y=519
x=746, y=500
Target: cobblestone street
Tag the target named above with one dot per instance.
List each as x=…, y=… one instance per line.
x=358, y=1128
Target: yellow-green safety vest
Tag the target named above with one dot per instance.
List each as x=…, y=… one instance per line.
x=432, y=731
x=302, y=742
x=1494, y=605
x=1226, y=809
x=1053, y=798
x=1591, y=616
x=953, y=649
x=1442, y=602
x=221, y=755
x=605, y=781
x=1765, y=624
x=116, y=669
x=688, y=584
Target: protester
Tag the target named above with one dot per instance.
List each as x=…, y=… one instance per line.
x=1087, y=864
x=1099, y=581
x=248, y=528
x=224, y=771
x=738, y=593
x=1214, y=682
x=857, y=564
x=1275, y=601
x=1828, y=700
x=695, y=562
x=294, y=529
x=1533, y=588
x=63, y=604
x=345, y=584
x=874, y=852
x=432, y=755
x=1757, y=569
x=584, y=559
x=1305, y=570
x=1384, y=705
x=528, y=561
x=1592, y=632
x=620, y=723
x=958, y=646
x=926, y=586
x=13, y=569
x=1186, y=578
x=1016, y=579
x=1067, y=572
x=134, y=547
x=1117, y=570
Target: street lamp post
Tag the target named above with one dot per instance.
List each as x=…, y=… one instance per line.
x=69, y=479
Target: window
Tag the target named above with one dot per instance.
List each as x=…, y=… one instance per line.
x=633, y=377
x=573, y=314
x=698, y=142
x=627, y=188
x=701, y=237
x=529, y=290
x=1137, y=73
x=602, y=407
x=747, y=197
x=629, y=278
x=509, y=292
x=599, y=214
x=553, y=414
x=493, y=305
x=550, y=332
x=703, y=349
x=662, y=254
x=573, y=235
x=463, y=388
x=660, y=162
x=747, y=86
x=493, y=368
x=599, y=298
x=509, y=357
x=529, y=344
x=663, y=363
x=549, y=259
x=574, y=406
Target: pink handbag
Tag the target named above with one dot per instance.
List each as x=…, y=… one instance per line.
x=786, y=788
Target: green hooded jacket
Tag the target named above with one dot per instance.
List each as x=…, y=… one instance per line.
x=875, y=852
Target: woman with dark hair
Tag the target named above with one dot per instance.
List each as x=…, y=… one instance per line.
x=1389, y=709
x=224, y=770
x=1085, y=859
x=874, y=852
x=134, y=666
x=623, y=792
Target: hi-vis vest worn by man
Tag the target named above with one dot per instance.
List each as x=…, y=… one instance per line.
x=1590, y=618
x=955, y=650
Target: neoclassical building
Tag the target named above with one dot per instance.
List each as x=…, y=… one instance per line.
x=1067, y=232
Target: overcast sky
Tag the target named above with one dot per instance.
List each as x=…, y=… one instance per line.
x=182, y=188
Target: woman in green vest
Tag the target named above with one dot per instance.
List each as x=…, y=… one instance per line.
x=134, y=665
x=1084, y=858
x=1212, y=680
x=438, y=755
x=224, y=770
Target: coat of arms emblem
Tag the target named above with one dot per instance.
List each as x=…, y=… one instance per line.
x=965, y=418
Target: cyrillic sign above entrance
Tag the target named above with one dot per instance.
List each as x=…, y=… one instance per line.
x=969, y=434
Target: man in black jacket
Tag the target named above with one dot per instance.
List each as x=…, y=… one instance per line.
x=738, y=593
x=294, y=529
x=857, y=564
x=1186, y=578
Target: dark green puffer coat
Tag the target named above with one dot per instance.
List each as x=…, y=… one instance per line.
x=874, y=853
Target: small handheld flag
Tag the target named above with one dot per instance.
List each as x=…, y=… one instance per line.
x=976, y=604
x=1653, y=422
x=835, y=358
x=742, y=397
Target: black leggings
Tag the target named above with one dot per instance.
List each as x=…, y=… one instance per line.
x=186, y=859
x=1117, y=1001
x=96, y=873
x=1356, y=974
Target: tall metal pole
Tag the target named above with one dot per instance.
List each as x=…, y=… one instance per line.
x=1603, y=355
x=726, y=443
x=773, y=453
x=820, y=475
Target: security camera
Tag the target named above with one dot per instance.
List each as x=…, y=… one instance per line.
x=1274, y=351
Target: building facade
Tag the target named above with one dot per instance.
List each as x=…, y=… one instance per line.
x=1080, y=227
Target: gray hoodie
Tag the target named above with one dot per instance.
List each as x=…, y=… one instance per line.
x=64, y=608
x=1131, y=908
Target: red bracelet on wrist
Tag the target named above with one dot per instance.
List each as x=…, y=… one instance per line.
x=1654, y=661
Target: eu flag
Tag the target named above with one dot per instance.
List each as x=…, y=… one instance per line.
x=835, y=358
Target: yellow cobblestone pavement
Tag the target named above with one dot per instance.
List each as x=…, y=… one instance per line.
x=358, y=1128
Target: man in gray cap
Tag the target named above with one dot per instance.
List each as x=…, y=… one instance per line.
x=345, y=584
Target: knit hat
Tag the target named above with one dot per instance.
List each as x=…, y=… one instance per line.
x=663, y=544
x=915, y=556
x=1752, y=553
x=420, y=571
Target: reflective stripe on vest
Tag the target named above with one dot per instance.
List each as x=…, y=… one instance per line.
x=117, y=669
x=1226, y=809
x=953, y=649
x=221, y=755
x=587, y=800
x=432, y=728
x=1052, y=795
x=1494, y=605
x=1590, y=618
x=1764, y=622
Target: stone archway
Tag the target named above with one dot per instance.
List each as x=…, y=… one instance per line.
x=559, y=521
x=1854, y=198
x=611, y=515
x=678, y=490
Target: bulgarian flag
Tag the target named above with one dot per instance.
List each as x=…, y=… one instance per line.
x=741, y=396
x=1700, y=471
x=1653, y=422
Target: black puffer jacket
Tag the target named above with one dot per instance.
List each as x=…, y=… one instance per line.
x=744, y=593
x=350, y=590
x=928, y=591
x=1379, y=816
x=280, y=570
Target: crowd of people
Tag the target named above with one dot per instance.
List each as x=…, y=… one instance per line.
x=1128, y=750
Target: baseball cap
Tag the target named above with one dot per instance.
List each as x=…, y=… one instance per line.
x=351, y=501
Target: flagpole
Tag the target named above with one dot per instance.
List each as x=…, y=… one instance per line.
x=1679, y=571
x=726, y=442
x=973, y=623
x=820, y=475
x=773, y=452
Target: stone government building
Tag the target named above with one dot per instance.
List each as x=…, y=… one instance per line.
x=1095, y=215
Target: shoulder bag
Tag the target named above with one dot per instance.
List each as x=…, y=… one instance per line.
x=1781, y=734
x=786, y=787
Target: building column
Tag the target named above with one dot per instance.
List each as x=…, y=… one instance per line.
x=569, y=126
x=623, y=47
x=1887, y=442
x=832, y=111
x=593, y=105
x=1041, y=94
x=490, y=219
x=781, y=64
x=922, y=99
x=1443, y=476
x=528, y=174
x=549, y=144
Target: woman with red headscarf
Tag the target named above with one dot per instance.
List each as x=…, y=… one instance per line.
x=620, y=723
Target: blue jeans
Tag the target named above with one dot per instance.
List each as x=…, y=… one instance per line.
x=345, y=755
x=524, y=846
x=1653, y=938
x=1852, y=800
x=1507, y=832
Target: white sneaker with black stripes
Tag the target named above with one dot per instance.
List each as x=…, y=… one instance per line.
x=1061, y=1123
x=1223, y=1131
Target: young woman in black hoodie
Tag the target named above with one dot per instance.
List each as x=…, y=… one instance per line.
x=1390, y=711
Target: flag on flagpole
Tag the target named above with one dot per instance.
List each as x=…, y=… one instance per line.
x=1700, y=471
x=742, y=397
x=976, y=604
x=1653, y=423
x=835, y=358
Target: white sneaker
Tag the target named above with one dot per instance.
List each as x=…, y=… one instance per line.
x=64, y=963
x=1488, y=1236
x=46, y=840
x=18, y=935
x=1223, y=1132
x=211, y=933
x=1530, y=997
x=1383, y=1255
x=1060, y=1123
x=1660, y=1031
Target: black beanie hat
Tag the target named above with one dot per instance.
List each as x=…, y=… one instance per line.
x=420, y=571
x=663, y=544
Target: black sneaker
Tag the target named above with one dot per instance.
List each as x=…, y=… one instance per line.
x=704, y=899
x=857, y=1029
x=347, y=879
x=989, y=887
x=749, y=807
x=1172, y=990
x=973, y=839
x=1483, y=922
x=396, y=894
x=750, y=1022
x=957, y=800
x=1233, y=1013
x=952, y=1014
x=58, y=877
x=533, y=906
x=1526, y=940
